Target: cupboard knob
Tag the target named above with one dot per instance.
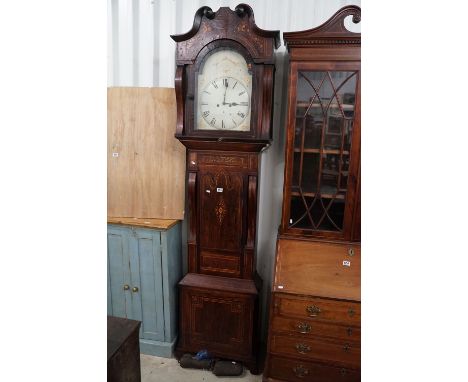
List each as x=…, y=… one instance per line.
x=350, y=331
x=351, y=251
x=351, y=312
x=135, y=289
x=313, y=310
x=126, y=287
x=302, y=348
x=346, y=348
x=303, y=327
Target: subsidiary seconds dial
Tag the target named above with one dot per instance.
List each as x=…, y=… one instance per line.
x=224, y=103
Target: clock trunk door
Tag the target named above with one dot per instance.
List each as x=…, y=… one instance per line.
x=221, y=222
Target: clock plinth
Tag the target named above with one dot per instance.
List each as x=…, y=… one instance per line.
x=224, y=91
x=220, y=314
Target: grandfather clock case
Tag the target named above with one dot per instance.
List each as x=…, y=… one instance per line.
x=224, y=90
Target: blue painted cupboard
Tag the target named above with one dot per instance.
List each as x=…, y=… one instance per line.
x=143, y=269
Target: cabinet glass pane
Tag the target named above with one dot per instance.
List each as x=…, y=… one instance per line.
x=322, y=144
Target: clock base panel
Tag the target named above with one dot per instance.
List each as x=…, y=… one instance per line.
x=219, y=314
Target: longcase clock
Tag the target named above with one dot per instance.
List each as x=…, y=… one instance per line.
x=224, y=90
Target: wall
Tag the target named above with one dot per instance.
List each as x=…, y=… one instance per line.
x=141, y=53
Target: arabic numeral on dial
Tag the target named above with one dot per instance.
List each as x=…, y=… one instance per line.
x=242, y=92
x=242, y=115
x=214, y=84
x=225, y=82
x=206, y=113
x=213, y=121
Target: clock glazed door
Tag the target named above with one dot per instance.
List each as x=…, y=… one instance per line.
x=224, y=88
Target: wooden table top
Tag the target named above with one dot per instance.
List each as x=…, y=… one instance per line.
x=164, y=224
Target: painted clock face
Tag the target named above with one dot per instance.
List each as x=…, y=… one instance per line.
x=224, y=93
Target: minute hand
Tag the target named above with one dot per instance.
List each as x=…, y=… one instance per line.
x=236, y=104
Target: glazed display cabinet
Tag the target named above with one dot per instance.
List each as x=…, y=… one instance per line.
x=315, y=321
x=321, y=188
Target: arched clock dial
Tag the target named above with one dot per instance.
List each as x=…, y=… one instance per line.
x=224, y=103
x=224, y=89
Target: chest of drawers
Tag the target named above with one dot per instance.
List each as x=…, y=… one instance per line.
x=315, y=313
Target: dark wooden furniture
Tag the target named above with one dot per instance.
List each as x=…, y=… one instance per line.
x=224, y=91
x=123, y=352
x=314, y=332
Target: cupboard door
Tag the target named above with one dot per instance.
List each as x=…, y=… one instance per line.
x=118, y=276
x=146, y=287
x=323, y=141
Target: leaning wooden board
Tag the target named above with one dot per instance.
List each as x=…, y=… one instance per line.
x=145, y=163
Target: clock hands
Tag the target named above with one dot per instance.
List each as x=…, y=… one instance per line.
x=235, y=104
x=224, y=99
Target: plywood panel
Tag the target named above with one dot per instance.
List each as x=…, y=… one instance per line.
x=145, y=163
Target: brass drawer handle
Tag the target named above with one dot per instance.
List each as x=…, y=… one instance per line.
x=300, y=371
x=346, y=348
x=313, y=310
x=135, y=289
x=303, y=327
x=343, y=371
x=126, y=287
x=351, y=251
x=302, y=348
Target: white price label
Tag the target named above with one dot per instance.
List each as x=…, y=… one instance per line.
x=346, y=263
x=219, y=190
x=115, y=155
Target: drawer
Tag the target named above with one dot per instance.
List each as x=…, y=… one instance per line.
x=296, y=370
x=346, y=353
x=346, y=312
x=313, y=328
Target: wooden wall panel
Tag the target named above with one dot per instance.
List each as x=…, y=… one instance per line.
x=145, y=163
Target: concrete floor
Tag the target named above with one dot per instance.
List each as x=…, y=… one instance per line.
x=157, y=369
